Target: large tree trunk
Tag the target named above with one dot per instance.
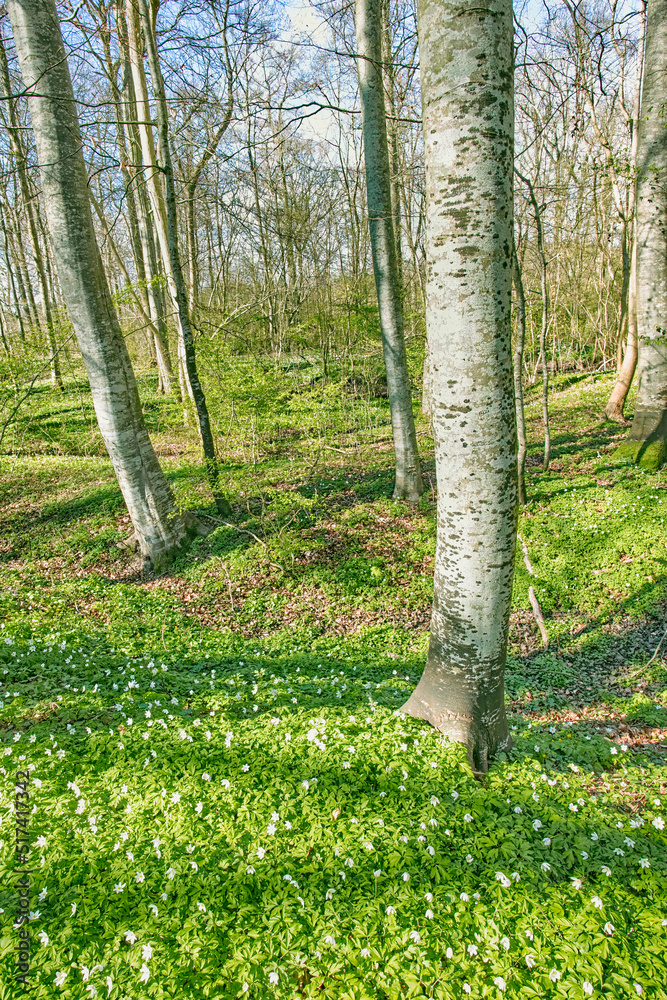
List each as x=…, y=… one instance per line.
x=646, y=443
x=467, y=98
x=408, y=483
x=158, y=526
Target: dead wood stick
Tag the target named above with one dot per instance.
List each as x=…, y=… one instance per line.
x=532, y=597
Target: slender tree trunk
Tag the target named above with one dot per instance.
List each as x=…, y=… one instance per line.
x=392, y=136
x=18, y=254
x=174, y=263
x=616, y=403
x=191, y=187
x=152, y=177
x=18, y=148
x=468, y=109
x=147, y=270
x=646, y=442
x=158, y=526
x=154, y=289
x=10, y=274
x=544, y=289
x=408, y=483
x=3, y=337
x=626, y=258
x=156, y=333
x=519, y=342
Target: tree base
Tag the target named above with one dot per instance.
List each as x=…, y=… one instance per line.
x=646, y=444
x=156, y=563
x=485, y=738
x=647, y=456
x=410, y=491
x=223, y=506
x=615, y=413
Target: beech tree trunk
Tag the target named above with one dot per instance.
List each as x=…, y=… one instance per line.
x=519, y=342
x=10, y=272
x=626, y=371
x=207, y=155
x=125, y=110
x=468, y=112
x=408, y=485
x=646, y=442
x=163, y=202
x=544, y=290
x=139, y=214
x=174, y=263
x=158, y=526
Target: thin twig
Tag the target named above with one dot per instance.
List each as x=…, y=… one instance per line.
x=657, y=648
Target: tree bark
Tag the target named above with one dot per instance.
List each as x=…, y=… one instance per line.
x=159, y=528
x=616, y=403
x=544, y=290
x=193, y=180
x=146, y=256
x=139, y=213
x=18, y=149
x=519, y=342
x=467, y=99
x=392, y=136
x=174, y=260
x=646, y=443
x=166, y=223
x=10, y=273
x=408, y=485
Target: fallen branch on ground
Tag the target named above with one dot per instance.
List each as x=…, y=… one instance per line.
x=532, y=597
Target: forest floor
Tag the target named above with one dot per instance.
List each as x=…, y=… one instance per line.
x=227, y=802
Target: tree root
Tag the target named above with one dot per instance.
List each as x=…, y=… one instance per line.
x=131, y=543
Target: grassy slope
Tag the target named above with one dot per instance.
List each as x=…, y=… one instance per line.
x=280, y=778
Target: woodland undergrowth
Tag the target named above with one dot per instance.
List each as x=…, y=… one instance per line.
x=227, y=799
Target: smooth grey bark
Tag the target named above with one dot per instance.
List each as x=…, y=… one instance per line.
x=646, y=442
x=10, y=271
x=200, y=166
x=392, y=136
x=174, y=263
x=153, y=181
x=544, y=326
x=519, y=342
x=158, y=526
x=22, y=276
x=138, y=208
x=468, y=112
x=616, y=403
x=408, y=484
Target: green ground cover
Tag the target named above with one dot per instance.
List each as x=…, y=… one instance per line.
x=227, y=799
